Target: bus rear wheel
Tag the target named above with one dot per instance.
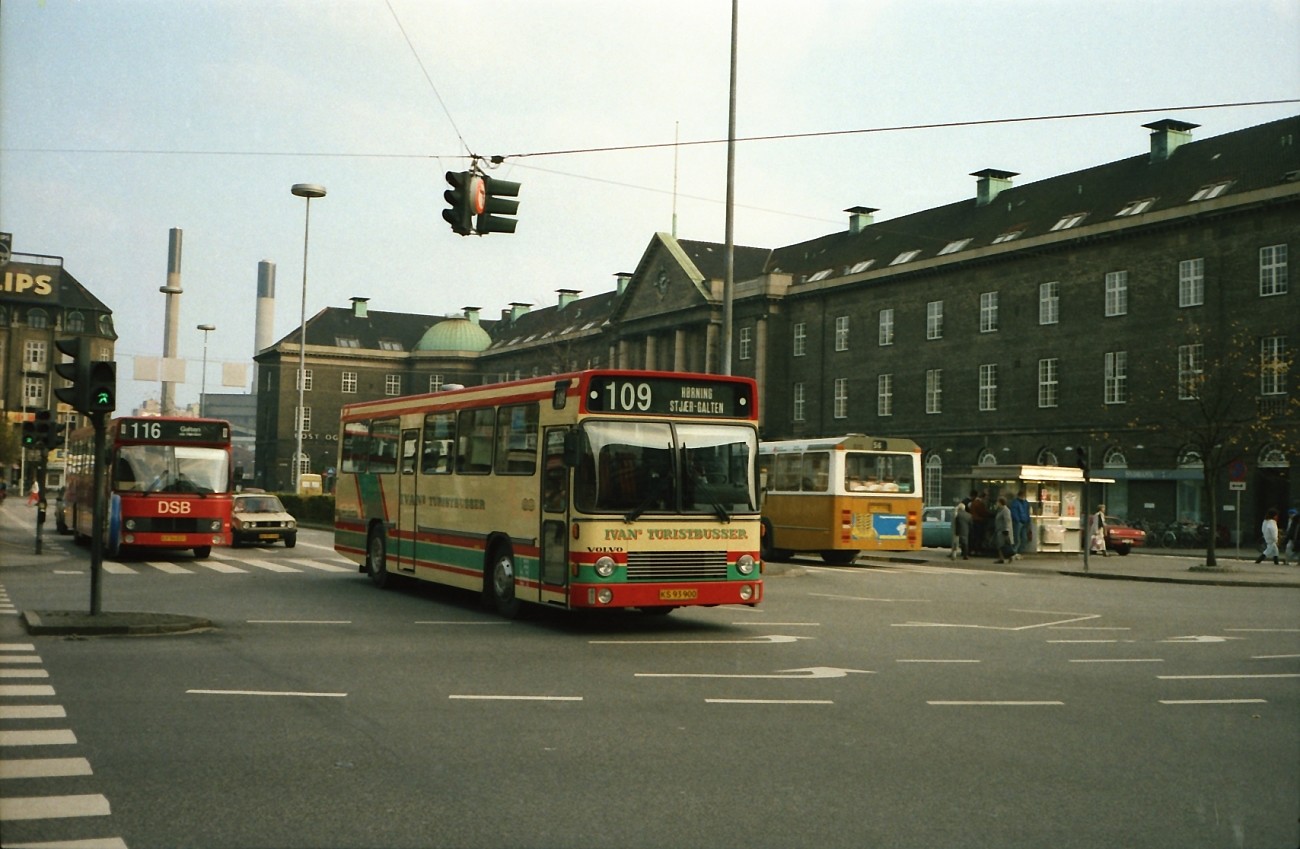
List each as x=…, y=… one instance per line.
x=501, y=583
x=377, y=559
x=840, y=558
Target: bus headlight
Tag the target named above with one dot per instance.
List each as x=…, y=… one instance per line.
x=745, y=564
x=746, y=592
x=604, y=595
x=216, y=525
x=605, y=566
x=130, y=524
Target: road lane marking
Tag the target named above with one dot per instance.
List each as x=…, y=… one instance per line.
x=9, y=690
x=300, y=621
x=44, y=768
x=806, y=673
x=20, y=658
x=1266, y=630
x=50, y=807
x=263, y=693
x=89, y=843
x=481, y=698
x=769, y=701
x=778, y=624
x=324, y=567
x=113, y=568
x=17, y=647
x=222, y=566
x=269, y=565
x=1076, y=642
x=1212, y=677
x=868, y=598
x=934, y=660
x=460, y=622
x=1118, y=660
x=1273, y=656
x=995, y=703
x=754, y=641
x=38, y=737
x=169, y=568
x=1214, y=701
x=24, y=673
x=996, y=627
x=32, y=712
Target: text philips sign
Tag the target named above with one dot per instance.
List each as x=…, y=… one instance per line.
x=24, y=282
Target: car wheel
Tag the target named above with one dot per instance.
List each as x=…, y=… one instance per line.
x=377, y=559
x=1123, y=549
x=291, y=540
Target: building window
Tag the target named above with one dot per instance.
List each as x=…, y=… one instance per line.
x=745, y=344
x=1211, y=191
x=820, y=275
x=1071, y=220
x=800, y=403
x=953, y=247
x=1008, y=236
x=934, y=320
x=988, y=312
x=304, y=465
x=886, y=331
x=934, y=390
x=435, y=383
x=1191, y=371
x=34, y=392
x=38, y=319
x=1272, y=271
x=75, y=322
x=349, y=385
x=1049, y=302
x=1272, y=365
x=841, y=397
x=905, y=256
x=1048, y=382
x=885, y=395
x=390, y=345
x=304, y=420
x=1191, y=282
x=1136, y=207
x=842, y=333
x=1116, y=376
x=1116, y=293
x=392, y=384
x=306, y=383
x=35, y=355
x=933, y=488
x=988, y=387
x=347, y=342
x=859, y=267
x=800, y=339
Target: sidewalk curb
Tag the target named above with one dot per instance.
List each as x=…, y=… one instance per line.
x=77, y=623
x=1166, y=579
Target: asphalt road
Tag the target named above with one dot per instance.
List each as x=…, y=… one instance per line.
x=898, y=705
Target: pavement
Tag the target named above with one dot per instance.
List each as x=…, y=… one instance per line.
x=1173, y=566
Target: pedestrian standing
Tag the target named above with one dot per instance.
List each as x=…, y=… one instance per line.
x=960, y=532
x=979, y=520
x=34, y=495
x=1020, y=523
x=1292, y=536
x=1268, y=530
x=1097, y=532
x=1002, y=538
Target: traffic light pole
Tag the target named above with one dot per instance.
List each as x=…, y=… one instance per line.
x=97, y=525
x=40, y=497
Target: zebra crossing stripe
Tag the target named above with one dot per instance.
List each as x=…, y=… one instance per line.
x=269, y=565
x=113, y=568
x=49, y=807
x=32, y=712
x=89, y=843
x=20, y=658
x=11, y=690
x=38, y=737
x=24, y=673
x=324, y=567
x=17, y=647
x=44, y=768
x=169, y=568
x=221, y=566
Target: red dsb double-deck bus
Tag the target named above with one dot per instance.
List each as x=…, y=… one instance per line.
x=595, y=489
x=168, y=481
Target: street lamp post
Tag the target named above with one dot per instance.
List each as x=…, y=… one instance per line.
x=206, y=328
x=308, y=191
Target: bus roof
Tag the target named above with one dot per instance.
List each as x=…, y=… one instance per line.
x=847, y=442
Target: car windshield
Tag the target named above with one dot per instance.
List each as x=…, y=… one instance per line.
x=259, y=504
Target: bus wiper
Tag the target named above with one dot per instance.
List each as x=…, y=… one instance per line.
x=656, y=491
x=702, y=485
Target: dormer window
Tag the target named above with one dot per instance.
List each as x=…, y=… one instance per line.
x=859, y=267
x=390, y=345
x=820, y=275
x=1211, y=191
x=1071, y=220
x=347, y=342
x=953, y=247
x=1008, y=236
x=905, y=256
x=1136, y=207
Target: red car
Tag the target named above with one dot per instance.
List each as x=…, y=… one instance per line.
x=1121, y=536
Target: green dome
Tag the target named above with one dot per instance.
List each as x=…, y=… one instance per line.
x=454, y=334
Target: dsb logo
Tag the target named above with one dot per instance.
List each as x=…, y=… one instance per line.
x=173, y=507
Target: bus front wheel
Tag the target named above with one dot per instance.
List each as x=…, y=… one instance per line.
x=840, y=557
x=377, y=559
x=501, y=583
x=202, y=551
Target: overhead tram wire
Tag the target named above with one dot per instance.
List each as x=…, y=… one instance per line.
x=428, y=78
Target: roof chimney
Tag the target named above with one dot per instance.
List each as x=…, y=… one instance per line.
x=517, y=309
x=472, y=314
x=1167, y=136
x=859, y=218
x=621, y=280
x=359, y=307
x=568, y=296
x=991, y=183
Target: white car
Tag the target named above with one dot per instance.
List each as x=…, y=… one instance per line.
x=260, y=519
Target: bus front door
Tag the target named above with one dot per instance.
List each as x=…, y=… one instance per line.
x=555, y=510
x=404, y=540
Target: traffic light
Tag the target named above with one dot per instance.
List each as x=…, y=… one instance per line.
x=101, y=388
x=466, y=199
x=496, y=203
x=76, y=372
x=29, y=434
x=43, y=430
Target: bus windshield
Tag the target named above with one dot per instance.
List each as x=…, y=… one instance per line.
x=871, y=472
x=656, y=467
x=171, y=468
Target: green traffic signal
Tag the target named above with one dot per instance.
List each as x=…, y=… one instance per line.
x=101, y=387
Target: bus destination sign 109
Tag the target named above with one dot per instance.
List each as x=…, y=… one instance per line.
x=669, y=396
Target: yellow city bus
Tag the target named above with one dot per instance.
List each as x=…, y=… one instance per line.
x=596, y=489
x=840, y=495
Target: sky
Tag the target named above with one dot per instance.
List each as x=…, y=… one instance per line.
x=123, y=119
